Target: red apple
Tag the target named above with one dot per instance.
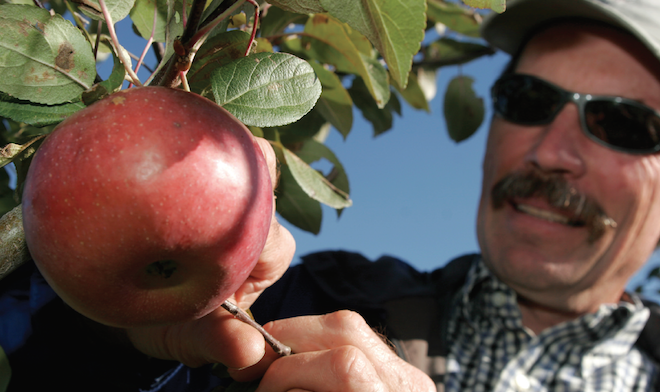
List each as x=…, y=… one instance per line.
x=148, y=207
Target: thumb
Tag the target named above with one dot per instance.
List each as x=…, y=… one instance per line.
x=215, y=338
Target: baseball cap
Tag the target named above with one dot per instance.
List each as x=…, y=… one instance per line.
x=507, y=31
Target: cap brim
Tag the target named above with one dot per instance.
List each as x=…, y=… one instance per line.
x=508, y=30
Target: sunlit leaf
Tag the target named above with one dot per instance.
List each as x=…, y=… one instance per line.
x=395, y=28
x=335, y=103
x=447, y=51
x=498, y=6
x=112, y=84
x=464, y=110
x=118, y=9
x=459, y=18
x=266, y=89
x=312, y=151
x=36, y=114
x=309, y=125
x=216, y=52
x=380, y=118
x=331, y=42
x=413, y=93
x=294, y=205
x=43, y=58
x=142, y=15
x=277, y=20
x=314, y=184
x=299, y=6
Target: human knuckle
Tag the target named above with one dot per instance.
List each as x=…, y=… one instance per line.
x=346, y=319
x=348, y=363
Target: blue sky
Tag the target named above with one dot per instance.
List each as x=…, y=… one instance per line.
x=414, y=190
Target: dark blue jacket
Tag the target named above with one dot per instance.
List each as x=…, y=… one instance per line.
x=51, y=346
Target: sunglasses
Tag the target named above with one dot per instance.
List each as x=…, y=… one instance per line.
x=619, y=123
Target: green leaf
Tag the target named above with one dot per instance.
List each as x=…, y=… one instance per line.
x=312, y=151
x=277, y=20
x=266, y=89
x=331, y=42
x=113, y=83
x=413, y=93
x=464, y=110
x=142, y=15
x=118, y=9
x=335, y=103
x=307, y=127
x=294, y=205
x=217, y=51
x=314, y=184
x=380, y=118
x=459, y=19
x=36, y=114
x=498, y=6
x=446, y=51
x=395, y=28
x=43, y=58
x=5, y=371
x=173, y=30
x=299, y=6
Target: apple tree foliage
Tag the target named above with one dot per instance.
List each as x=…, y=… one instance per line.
x=311, y=65
x=291, y=70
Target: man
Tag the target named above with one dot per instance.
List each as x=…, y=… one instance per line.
x=569, y=211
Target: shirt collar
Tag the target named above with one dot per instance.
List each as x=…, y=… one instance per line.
x=486, y=299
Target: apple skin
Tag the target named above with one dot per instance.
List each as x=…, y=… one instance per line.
x=149, y=207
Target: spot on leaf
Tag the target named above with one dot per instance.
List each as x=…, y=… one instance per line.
x=64, y=59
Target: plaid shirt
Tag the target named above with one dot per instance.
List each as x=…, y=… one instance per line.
x=493, y=351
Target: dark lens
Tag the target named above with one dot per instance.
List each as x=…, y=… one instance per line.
x=623, y=125
x=526, y=100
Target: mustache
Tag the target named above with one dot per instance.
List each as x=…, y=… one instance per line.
x=559, y=193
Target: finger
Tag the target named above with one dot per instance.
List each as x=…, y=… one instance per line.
x=271, y=159
x=215, y=338
x=273, y=262
x=327, y=331
x=348, y=329
x=344, y=369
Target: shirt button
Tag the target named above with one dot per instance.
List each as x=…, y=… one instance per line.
x=522, y=382
x=499, y=299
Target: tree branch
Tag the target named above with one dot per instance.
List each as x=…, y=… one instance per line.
x=13, y=248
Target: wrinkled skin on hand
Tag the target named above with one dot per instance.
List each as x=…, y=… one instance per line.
x=336, y=352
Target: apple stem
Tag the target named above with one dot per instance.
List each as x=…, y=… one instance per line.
x=278, y=347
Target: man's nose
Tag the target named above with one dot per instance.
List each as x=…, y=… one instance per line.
x=560, y=144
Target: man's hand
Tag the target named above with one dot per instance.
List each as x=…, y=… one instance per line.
x=337, y=352
x=218, y=337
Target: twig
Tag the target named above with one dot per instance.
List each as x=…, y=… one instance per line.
x=159, y=51
x=99, y=30
x=254, y=26
x=146, y=47
x=113, y=35
x=240, y=314
x=13, y=248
